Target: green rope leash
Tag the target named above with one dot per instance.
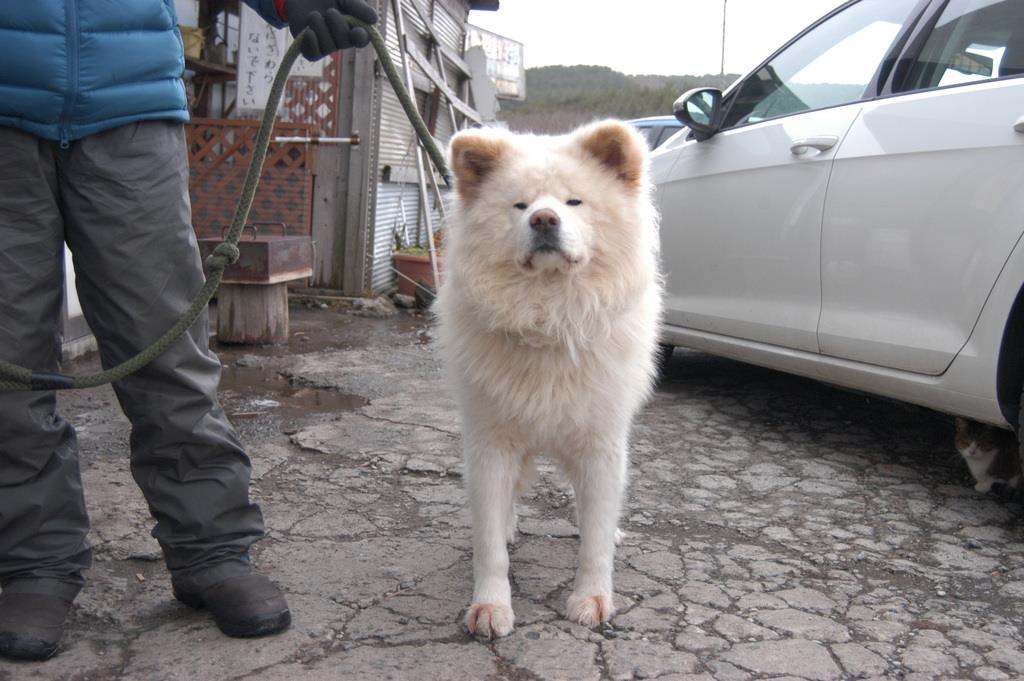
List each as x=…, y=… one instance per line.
x=16, y=378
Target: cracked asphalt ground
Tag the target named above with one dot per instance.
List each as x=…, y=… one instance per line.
x=776, y=528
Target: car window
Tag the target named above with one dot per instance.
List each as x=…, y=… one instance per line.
x=972, y=40
x=831, y=64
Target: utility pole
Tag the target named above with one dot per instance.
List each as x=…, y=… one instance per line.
x=721, y=73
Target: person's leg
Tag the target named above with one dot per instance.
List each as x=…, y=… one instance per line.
x=43, y=522
x=124, y=193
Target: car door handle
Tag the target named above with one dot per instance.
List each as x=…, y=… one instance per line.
x=1019, y=125
x=820, y=142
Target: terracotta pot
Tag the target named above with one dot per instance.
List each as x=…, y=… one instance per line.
x=417, y=268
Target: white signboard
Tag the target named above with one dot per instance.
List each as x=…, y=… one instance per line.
x=504, y=61
x=260, y=49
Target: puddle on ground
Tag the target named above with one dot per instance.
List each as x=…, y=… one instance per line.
x=250, y=392
x=317, y=330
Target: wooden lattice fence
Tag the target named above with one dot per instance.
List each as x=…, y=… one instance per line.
x=315, y=100
x=219, y=154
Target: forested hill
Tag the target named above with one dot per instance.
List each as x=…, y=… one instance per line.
x=560, y=97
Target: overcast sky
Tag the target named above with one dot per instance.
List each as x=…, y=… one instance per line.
x=668, y=37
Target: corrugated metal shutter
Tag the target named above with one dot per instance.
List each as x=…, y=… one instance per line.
x=452, y=35
x=390, y=197
x=396, y=156
x=450, y=30
x=396, y=160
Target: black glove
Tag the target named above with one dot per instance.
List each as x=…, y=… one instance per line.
x=329, y=29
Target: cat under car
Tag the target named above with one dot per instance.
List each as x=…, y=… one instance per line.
x=992, y=455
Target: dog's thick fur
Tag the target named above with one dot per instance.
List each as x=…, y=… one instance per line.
x=548, y=333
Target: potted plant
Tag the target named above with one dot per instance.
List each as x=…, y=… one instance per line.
x=412, y=263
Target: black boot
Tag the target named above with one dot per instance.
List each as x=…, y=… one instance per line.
x=31, y=625
x=244, y=606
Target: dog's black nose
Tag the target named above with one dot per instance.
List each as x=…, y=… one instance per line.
x=544, y=220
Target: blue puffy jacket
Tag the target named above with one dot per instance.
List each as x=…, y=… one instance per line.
x=70, y=68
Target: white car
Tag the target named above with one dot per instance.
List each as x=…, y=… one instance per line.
x=853, y=209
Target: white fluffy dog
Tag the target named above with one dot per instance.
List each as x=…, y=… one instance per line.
x=549, y=316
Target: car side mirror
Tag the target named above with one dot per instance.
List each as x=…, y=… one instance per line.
x=700, y=110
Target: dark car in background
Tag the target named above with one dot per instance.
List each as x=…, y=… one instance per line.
x=657, y=129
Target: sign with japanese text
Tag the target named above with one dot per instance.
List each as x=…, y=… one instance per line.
x=260, y=48
x=504, y=61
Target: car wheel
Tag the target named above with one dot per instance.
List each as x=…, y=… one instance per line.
x=1020, y=436
x=661, y=358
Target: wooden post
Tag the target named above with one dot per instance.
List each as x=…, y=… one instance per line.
x=327, y=207
x=252, y=313
x=346, y=190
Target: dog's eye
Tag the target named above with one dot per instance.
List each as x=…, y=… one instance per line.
x=573, y=202
x=521, y=206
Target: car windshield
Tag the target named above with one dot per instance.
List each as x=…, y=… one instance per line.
x=831, y=64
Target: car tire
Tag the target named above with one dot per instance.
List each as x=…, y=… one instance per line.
x=1020, y=435
x=662, y=355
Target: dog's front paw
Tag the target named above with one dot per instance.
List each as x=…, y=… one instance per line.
x=489, y=620
x=590, y=609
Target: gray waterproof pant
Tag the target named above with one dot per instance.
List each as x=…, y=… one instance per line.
x=119, y=199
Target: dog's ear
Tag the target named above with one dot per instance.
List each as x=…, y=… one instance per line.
x=474, y=155
x=618, y=147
